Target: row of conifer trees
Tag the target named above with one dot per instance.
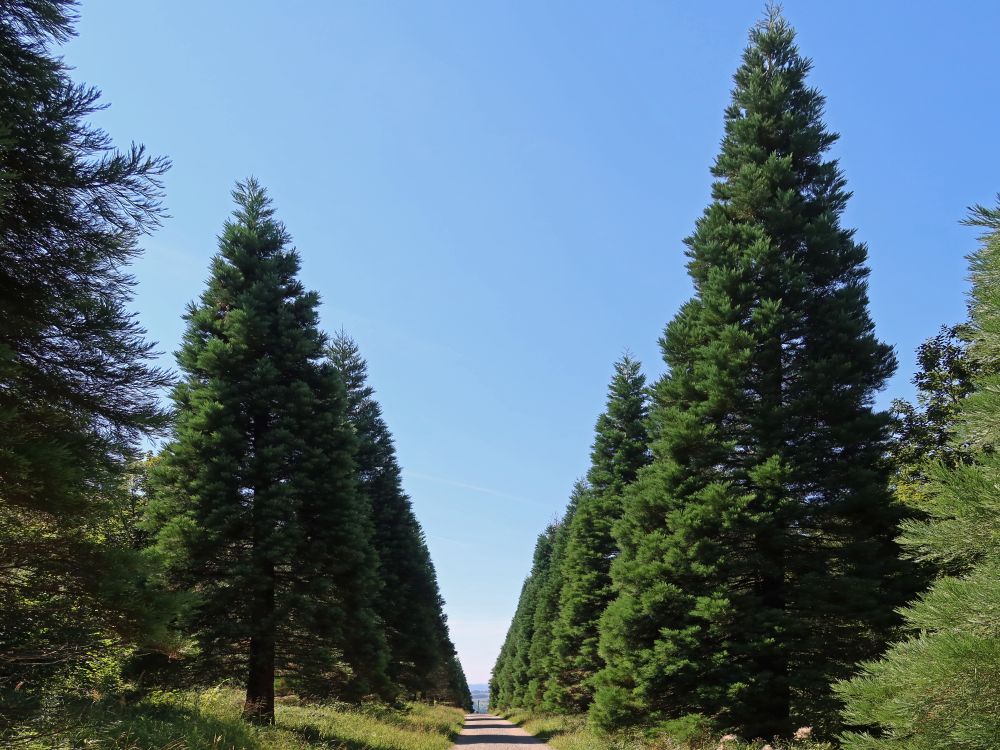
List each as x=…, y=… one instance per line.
x=270, y=540
x=751, y=528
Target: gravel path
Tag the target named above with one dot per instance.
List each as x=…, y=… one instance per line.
x=488, y=732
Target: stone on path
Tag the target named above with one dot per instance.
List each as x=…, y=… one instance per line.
x=489, y=732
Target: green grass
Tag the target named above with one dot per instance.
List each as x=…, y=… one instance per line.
x=210, y=720
x=572, y=733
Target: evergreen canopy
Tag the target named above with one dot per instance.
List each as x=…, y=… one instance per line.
x=77, y=391
x=757, y=557
x=258, y=490
x=941, y=686
x=409, y=606
x=511, y=673
x=620, y=449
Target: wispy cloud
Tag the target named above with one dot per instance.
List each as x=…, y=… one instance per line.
x=464, y=485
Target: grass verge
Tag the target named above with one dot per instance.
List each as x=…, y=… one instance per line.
x=210, y=720
x=573, y=733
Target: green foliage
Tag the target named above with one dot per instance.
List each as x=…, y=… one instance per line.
x=691, y=732
x=620, y=449
x=453, y=687
x=550, y=650
x=77, y=393
x=256, y=506
x=757, y=557
x=511, y=673
x=422, y=658
x=550, y=584
x=925, y=432
x=730, y=555
x=689, y=729
x=941, y=687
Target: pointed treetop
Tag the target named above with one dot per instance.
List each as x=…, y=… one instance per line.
x=255, y=212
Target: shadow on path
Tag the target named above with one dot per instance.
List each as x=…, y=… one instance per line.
x=493, y=733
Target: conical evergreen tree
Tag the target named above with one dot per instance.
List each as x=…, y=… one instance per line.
x=511, y=674
x=255, y=499
x=455, y=688
x=448, y=683
x=460, y=685
x=409, y=604
x=498, y=676
x=77, y=392
x=540, y=663
x=940, y=688
x=621, y=448
x=757, y=557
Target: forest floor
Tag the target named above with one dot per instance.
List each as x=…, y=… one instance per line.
x=489, y=732
x=210, y=720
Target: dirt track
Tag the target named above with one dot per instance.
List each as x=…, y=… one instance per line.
x=489, y=732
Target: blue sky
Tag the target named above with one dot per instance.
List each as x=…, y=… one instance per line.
x=491, y=198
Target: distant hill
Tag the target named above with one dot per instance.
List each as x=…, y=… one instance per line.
x=480, y=696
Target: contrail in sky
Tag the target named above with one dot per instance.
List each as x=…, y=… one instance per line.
x=464, y=486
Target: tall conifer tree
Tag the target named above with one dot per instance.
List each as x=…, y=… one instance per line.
x=77, y=392
x=409, y=605
x=757, y=557
x=620, y=449
x=256, y=497
x=462, y=696
x=940, y=687
x=498, y=686
x=540, y=662
x=449, y=683
x=511, y=674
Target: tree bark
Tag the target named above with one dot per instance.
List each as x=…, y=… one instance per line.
x=259, y=705
x=776, y=708
x=772, y=661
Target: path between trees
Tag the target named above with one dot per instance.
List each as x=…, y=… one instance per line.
x=493, y=733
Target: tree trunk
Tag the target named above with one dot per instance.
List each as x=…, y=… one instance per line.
x=776, y=702
x=259, y=705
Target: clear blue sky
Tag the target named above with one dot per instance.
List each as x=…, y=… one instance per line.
x=491, y=198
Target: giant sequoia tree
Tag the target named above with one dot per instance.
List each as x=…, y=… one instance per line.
x=757, y=557
x=421, y=656
x=76, y=389
x=940, y=687
x=620, y=449
x=256, y=497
